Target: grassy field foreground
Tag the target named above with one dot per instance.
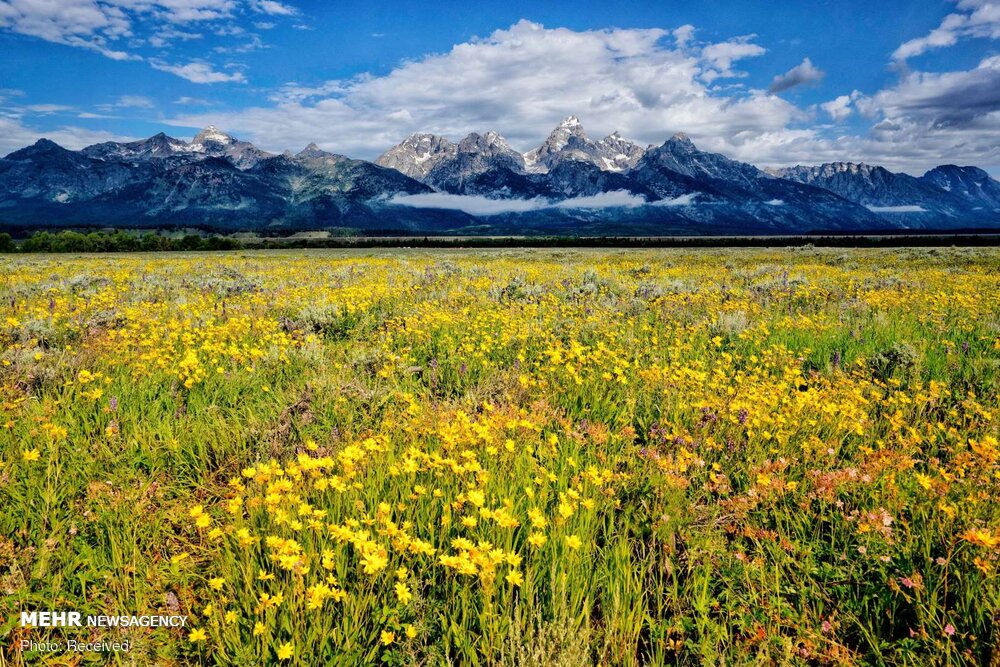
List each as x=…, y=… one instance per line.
x=506, y=457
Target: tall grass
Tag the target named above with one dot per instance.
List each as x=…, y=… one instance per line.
x=506, y=458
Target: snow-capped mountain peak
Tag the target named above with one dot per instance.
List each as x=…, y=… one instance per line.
x=419, y=154
x=214, y=142
x=569, y=127
x=568, y=141
x=212, y=134
x=554, y=149
x=570, y=122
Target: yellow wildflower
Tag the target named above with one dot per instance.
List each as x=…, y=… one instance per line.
x=285, y=651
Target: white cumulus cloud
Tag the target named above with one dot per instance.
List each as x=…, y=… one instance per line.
x=721, y=56
x=975, y=18
x=123, y=29
x=273, y=8
x=521, y=81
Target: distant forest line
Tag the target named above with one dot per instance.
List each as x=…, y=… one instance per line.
x=122, y=241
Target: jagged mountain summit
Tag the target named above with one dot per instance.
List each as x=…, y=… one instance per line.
x=866, y=184
x=617, y=153
x=216, y=182
x=311, y=151
x=158, y=146
x=676, y=181
x=475, y=154
x=569, y=184
x=569, y=141
x=417, y=155
x=679, y=154
x=211, y=135
x=944, y=196
x=210, y=142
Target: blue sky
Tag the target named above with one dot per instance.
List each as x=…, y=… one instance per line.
x=905, y=84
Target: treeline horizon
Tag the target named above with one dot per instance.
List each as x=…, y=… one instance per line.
x=68, y=241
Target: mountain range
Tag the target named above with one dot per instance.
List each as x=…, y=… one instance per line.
x=570, y=184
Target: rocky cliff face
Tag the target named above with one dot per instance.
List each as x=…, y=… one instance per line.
x=418, y=154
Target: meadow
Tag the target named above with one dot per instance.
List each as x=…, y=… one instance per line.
x=505, y=457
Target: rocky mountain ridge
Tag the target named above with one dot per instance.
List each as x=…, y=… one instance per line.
x=429, y=184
